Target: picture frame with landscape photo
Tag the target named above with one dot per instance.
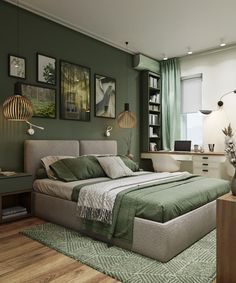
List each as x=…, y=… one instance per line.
x=43, y=100
x=75, y=92
x=46, y=69
x=105, y=96
x=16, y=66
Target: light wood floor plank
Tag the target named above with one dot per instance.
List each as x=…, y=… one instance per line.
x=23, y=260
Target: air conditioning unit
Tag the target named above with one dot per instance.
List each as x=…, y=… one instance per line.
x=142, y=62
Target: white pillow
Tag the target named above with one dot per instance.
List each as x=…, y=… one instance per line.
x=48, y=160
x=114, y=167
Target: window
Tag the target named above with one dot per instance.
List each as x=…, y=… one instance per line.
x=191, y=88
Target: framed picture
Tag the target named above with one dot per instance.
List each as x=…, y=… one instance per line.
x=46, y=69
x=16, y=66
x=43, y=100
x=105, y=96
x=75, y=92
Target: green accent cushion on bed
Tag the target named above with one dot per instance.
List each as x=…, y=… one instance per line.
x=80, y=168
x=129, y=163
x=41, y=173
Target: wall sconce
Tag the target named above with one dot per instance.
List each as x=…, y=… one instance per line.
x=220, y=102
x=205, y=112
x=108, y=131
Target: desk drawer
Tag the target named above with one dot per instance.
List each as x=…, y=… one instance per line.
x=208, y=172
x=206, y=164
x=206, y=158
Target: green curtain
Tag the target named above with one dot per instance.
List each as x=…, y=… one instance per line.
x=171, y=102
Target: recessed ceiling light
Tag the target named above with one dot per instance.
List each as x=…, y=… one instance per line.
x=165, y=58
x=189, y=51
x=222, y=44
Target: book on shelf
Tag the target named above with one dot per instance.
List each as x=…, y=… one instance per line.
x=155, y=82
x=153, y=119
x=13, y=210
x=154, y=108
x=155, y=98
x=22, y=213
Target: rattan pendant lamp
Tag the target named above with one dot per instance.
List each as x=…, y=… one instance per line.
x=127, y=119
x=17, y=107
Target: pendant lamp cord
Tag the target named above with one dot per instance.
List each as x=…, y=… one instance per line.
x=127, y=73
x=18, y=28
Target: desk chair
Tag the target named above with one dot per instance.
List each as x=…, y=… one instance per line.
x=165, y=163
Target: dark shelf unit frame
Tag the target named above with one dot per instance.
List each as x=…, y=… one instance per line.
x=22, y=198
x=150, y=105
x=16, y=190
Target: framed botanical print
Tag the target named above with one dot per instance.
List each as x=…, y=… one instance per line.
x=74, y=92
x=46, y=69
x=43, y=100
x=105, y=96
x=16, y=66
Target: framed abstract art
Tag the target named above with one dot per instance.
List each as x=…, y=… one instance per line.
x=105, y=96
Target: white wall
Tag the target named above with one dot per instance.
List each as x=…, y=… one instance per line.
x=219, y=77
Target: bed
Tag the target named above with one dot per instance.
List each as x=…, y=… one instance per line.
x=157, y=240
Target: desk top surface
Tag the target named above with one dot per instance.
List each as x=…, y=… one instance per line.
x=186, y=152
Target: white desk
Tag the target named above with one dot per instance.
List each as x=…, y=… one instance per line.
x=209, y=164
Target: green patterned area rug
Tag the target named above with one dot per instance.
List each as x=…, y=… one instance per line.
x=197, y=264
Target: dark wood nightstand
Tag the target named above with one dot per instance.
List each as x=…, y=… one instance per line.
x=15, y=197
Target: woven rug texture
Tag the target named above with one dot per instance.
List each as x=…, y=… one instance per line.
x=197, y=264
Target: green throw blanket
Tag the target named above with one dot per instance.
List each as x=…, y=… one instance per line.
x=159, y=203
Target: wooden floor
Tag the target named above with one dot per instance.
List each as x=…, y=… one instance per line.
x=25, y=260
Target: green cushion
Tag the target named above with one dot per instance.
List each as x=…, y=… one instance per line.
x=62, y=172
x=41, y=173
x=80, y=168
x=129, y=163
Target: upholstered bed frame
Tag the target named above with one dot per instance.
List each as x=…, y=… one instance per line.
x=160, y=241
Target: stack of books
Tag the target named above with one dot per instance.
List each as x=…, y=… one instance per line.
x=153, y=119
x=13, y=211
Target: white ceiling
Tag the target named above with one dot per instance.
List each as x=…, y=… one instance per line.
x=152, y=27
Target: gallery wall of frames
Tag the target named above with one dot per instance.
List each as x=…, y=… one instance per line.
x=77, y=85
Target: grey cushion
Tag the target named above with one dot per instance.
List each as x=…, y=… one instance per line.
x=114, y=167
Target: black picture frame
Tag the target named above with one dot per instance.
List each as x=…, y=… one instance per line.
x=75, y=92
x=105, y=96
x=46, y=71
x=17, y=66
x=42, y=108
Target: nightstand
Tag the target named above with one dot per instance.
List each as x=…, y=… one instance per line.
x=15, y=197
x=226, y=239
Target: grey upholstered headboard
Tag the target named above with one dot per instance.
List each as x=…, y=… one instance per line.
x=34, y=150
x=98, y=147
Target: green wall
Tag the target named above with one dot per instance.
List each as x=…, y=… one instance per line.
x=41, y=35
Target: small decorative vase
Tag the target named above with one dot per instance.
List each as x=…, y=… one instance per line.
x=233, y=185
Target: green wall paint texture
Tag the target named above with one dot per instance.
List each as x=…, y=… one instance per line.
x=37, y=34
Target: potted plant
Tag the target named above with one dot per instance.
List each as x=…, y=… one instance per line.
x=230, y=152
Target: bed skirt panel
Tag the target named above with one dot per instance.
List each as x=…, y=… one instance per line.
x=160, y=241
